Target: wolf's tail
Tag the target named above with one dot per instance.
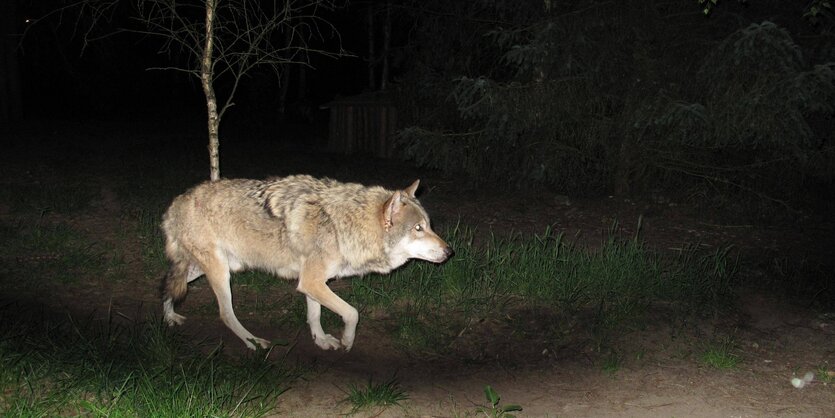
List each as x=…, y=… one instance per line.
x=174, y=285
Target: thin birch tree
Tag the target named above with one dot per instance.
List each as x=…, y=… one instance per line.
x=227, y=39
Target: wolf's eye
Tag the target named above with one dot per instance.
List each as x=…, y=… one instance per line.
x=418, y=228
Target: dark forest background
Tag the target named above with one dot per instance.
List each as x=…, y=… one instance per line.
x=725, y=105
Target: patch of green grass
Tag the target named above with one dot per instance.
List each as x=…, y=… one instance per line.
x=411, y=332
x=611, y=363
x=53, y=364
x=419, y=331
x=720, y=354
x=147, y=230
x=825, y=374
x=293, y=310
x=494, y=409
x=371, y=395
x=256, y=280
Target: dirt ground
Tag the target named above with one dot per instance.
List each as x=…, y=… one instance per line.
x=660, y=373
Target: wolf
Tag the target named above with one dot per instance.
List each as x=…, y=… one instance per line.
x=293, y=227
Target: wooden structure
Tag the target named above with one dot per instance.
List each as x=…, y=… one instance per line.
x=362, y=124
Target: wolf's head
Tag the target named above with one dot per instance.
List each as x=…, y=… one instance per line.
x=408, y=230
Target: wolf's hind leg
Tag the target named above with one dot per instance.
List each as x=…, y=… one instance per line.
x=174, y=288
x=171, y=317
x=217, y=273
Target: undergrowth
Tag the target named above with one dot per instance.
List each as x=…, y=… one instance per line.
x=372, y=395
x=55, y=364
x=49, y=252
x=619, y=97
x=618, y=282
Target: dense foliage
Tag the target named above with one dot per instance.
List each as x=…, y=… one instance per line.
x=589, y=97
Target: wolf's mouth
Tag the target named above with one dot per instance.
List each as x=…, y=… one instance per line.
x=441, y=256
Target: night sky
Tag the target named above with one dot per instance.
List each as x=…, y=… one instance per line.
x=111, y=77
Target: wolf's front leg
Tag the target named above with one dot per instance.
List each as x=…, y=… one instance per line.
x=314, y=313
x=312, y=282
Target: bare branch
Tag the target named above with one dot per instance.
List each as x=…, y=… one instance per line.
x=221, y=40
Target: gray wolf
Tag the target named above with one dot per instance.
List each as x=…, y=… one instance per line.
x=294, y=227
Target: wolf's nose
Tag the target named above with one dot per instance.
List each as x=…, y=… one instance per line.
x=448, y=252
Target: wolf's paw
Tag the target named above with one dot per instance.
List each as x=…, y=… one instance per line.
x=327, y=342
x=174, y=319
x=251, y=343
x=347, y=343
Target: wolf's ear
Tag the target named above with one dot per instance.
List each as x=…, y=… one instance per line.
x=391, y=208
x=413, y=188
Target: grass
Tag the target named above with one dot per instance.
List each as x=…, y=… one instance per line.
x=51, y=252
x=720, y=354
x=611, y=363
x=617, y=282
x=258, y=281
x=372, y=395
x=53, y=364
x=146, y=227
x=494, y=409
x=825, y=374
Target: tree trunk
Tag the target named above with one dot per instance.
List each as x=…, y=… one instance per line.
x=206, y=76
x=11, y=107
x=372, y=59
x=384, y=77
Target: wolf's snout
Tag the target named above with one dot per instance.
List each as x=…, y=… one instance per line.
x=448, y=252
